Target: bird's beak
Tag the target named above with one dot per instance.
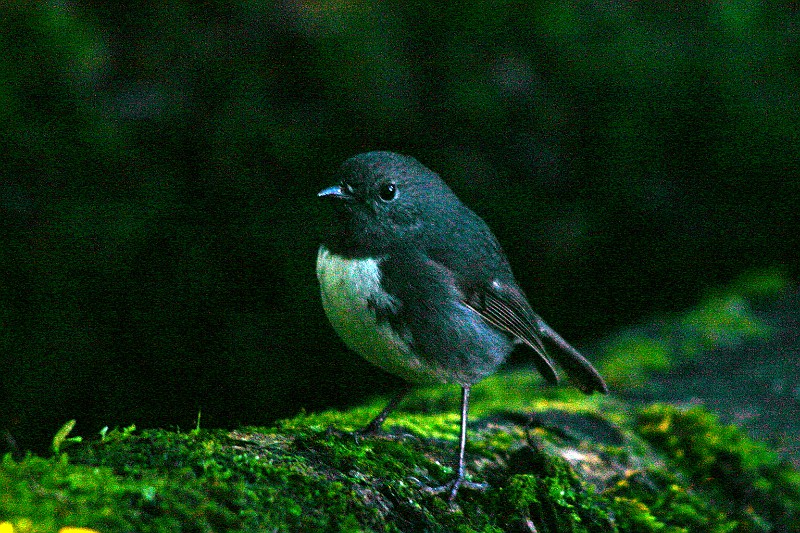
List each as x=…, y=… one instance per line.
x=336, y=191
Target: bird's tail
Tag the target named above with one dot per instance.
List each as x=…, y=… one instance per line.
x=579, y=370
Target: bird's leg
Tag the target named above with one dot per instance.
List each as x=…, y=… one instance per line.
x=462, y=443
x=374, y=427
x=459, y=481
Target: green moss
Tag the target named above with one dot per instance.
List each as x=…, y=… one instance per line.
x=745, y=478
x=43, y=495
x=555, y=503
x=654, y=500
x=553, y=469
x=62, y=436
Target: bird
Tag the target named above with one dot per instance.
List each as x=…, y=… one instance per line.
x=416, y=283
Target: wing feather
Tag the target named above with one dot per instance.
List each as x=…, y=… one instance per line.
x=501, y=316
x=505, y=307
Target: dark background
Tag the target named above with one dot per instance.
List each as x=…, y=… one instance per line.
x=159, y=165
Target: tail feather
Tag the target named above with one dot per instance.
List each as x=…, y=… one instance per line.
x=579, y=370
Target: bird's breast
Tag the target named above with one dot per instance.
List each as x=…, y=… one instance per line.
x=352, y=293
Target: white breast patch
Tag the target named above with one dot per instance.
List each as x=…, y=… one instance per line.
x=347, y=287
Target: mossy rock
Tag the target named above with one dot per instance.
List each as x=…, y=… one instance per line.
x=555, y=462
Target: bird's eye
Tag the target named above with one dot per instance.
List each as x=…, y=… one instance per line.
x=387, y=192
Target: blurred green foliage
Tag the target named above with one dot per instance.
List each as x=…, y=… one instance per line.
x=725, y=319
x=159, y=164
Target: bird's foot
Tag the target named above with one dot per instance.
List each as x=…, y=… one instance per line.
x=452, y=487
x=375, y=425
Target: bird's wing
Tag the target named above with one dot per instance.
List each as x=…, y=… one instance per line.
x=506, y=315
x=481, y=271
x=505, y=307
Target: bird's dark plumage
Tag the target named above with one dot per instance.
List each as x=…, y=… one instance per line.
x=436, y=254
x=417, y=283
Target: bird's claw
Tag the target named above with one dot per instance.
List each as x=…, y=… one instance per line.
x=453, y=486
